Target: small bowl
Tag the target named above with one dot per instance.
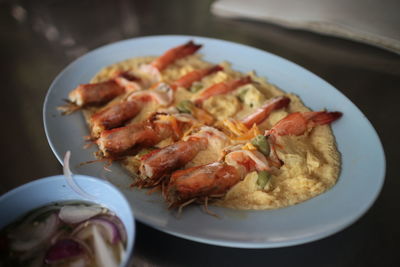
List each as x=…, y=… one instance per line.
x=42, y=192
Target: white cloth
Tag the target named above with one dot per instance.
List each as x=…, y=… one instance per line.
x=376, y=22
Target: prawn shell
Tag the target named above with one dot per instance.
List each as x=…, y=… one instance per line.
x=160, y=163
x=201, y=182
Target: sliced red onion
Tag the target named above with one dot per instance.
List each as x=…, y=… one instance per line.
x=70, y=180
x=77, y=214
x=111, y=230
x=62, y=250
x=29, y=237
x=118, y=223
x=78, y=262
x=82, y=231
x=108, y=229
x=103, y=253
x=121, y=251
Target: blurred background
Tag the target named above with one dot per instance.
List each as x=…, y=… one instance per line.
x=40, y=38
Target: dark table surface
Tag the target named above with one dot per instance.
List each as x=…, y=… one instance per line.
x=39, y=38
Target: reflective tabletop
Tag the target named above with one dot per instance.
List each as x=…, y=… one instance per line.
x=40, y=38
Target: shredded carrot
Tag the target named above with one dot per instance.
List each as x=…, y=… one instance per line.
x=155, y=86
x=174, y=123
x=235, y=127
x=238, y=131
x=253, y=132
x=249, y=146
x=202, y=115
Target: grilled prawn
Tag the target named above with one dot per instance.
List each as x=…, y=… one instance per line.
x=100, y=93
x=213, y=180
x=159, y=64
x=297, y=123
x=187, y=80
x=156, y=165
x=200, y=183
x=265, y=110
x=113, y=116
x=221, y=88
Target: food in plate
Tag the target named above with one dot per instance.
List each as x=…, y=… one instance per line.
x=64, y=234
x=201, y=132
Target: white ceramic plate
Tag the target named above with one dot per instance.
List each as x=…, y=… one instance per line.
x=359, y=184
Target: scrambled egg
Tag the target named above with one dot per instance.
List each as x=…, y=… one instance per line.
x=222, y=106
x=251, y=96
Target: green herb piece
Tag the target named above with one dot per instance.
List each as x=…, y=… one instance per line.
x=196, y=86
x=242, y=94
x=263, y=178
x=260, y=141
x=185, y=106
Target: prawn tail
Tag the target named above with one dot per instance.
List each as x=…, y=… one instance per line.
x=324, y=117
